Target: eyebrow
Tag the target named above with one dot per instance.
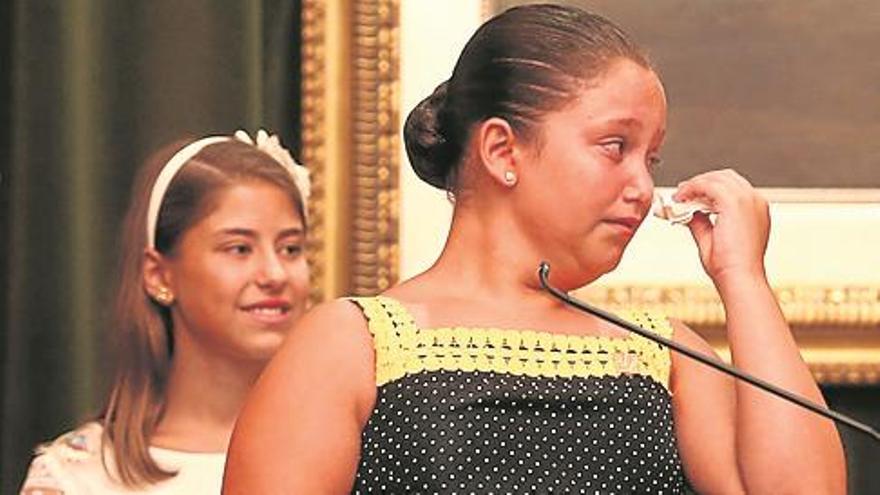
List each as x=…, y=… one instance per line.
x=293, y=231
x=625, y=121
x=635, y=124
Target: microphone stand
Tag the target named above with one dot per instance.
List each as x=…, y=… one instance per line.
x=544, y=271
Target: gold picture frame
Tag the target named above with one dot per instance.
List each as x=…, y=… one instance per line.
x=350, y=124
x=349, y=133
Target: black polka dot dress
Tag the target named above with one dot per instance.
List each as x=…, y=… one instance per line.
x=481, y=410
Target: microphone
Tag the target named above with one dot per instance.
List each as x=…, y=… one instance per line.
x=543, y=273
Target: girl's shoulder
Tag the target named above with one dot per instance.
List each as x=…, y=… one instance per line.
x=59, y=465
x=81, y=443
x=333, y=336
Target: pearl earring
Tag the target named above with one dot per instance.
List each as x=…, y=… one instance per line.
x=510, y=177
x=163, y=296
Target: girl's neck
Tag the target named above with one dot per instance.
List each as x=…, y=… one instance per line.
x=487, y=276
x=485, y=255
x=202, y=399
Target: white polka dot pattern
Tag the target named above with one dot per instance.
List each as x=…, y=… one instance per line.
x=474, y=431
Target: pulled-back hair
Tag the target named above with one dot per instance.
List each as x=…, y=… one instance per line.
x=519, y=65
x=142, y=330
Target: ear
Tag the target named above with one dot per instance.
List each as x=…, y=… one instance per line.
x=497, y=151
x=158, y=282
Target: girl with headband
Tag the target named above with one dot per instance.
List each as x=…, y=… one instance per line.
x=213, y=277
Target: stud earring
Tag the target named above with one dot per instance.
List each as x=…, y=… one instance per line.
x=510, y=177
x=163, y=296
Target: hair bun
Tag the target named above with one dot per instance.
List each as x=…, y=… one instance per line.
x=429, y=150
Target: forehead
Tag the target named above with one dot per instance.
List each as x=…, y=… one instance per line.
x=253, y=204
x=626, y=91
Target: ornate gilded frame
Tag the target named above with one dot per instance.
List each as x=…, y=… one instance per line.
x=349, y=134
x=837, y=327
x=350, y=122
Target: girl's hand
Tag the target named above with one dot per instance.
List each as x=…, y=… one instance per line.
x=736, y=243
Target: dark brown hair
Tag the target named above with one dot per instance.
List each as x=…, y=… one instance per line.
x=142, y=330
x=519, y=65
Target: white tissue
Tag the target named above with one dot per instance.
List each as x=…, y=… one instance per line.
x=675, y=212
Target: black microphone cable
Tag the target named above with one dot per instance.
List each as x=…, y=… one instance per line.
x=544, y=271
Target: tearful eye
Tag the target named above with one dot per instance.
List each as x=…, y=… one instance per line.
x=614, y=148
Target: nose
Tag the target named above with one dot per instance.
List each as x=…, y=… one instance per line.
x=271, y=273
x=640, y=186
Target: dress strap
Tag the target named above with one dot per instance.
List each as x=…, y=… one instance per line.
x=394, y=335
x=402, y=348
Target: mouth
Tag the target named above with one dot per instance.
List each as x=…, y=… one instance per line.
x=270, y=312
x=626, y=225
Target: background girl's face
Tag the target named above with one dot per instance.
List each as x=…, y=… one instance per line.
x=239, y=276
x=588, y=183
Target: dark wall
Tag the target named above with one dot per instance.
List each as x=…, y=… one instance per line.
x=5, y=99
x=783, y=91
x=862, y=453
x=87, y=90
x=5, y=122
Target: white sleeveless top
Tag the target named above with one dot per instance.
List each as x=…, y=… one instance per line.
x=72, y=465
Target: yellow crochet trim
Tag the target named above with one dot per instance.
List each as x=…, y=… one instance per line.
x=402, y=348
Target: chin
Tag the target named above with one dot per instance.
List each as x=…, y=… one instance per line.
x=587, y=272
x=258, y=355
x=260, y=346
x=572, y=279
x=612, y=257
x=612, y=265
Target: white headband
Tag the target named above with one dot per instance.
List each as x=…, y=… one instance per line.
x=264, y=142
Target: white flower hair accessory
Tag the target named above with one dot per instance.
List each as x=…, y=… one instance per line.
x=265, y=142
x=270, y=144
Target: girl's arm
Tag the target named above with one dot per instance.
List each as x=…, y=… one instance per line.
x=777, y=446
